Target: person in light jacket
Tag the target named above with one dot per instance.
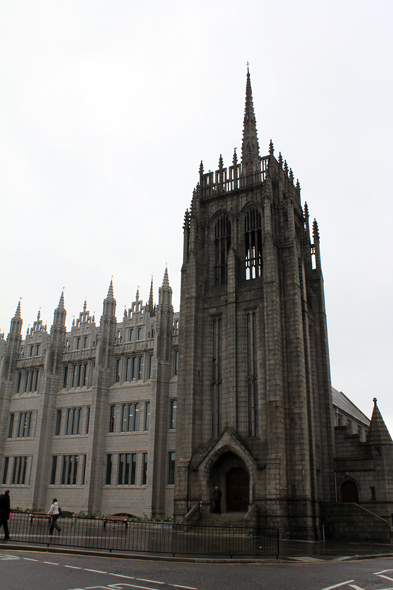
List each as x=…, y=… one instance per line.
x=54, y=515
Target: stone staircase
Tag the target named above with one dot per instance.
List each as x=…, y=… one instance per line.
x=225, y=519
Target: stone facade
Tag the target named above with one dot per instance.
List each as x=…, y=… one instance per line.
x=90, y=416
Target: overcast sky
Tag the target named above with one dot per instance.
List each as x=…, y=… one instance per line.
x=108, y=108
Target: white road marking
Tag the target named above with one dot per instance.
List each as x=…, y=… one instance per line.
x=382, y=572
x=50, y=562
x=8, y=557
x=122, y=576
x=178, y=586
x=338, y=585
x=120, y=586
x=356, y=587
x=386, y=577
x=30, y=559
x=151, y=581
x=95, y=571
x=73, y=567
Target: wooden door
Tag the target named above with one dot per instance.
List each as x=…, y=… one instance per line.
x=349, y=492
x=237, y=490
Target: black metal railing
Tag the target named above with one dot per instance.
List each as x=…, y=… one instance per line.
x=147, y=537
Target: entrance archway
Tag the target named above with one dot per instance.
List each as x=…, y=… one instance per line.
x=237, y=487
x=349, y=492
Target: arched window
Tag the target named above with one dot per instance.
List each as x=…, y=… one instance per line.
x=222, y=241
x=253, y=244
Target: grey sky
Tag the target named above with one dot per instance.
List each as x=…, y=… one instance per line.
x=108, y=108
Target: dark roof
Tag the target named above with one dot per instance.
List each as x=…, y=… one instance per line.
x=344, y=404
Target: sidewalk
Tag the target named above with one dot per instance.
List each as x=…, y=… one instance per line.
x=290, y=552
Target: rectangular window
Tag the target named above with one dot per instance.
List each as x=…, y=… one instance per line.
x=87, y=419
x=140, y=368
x=31, y=350
x=11, y=426
x=78, y=420
x=108, y=479
x=150, y=366
x=176, y=362
x=65, y=377
x=83, y=470
x=70, y=421
x=144, y=469
x=36, y=380
x=173, y=413
x=171, y=468
x=147, y=415
x=139, y=333
x=136, y=420
x=120, y=470
x=26, y=380
x=23, y=470
x=128, y=369
x=112, y=419
x=75, y=376
x=13, y=479
x=133, y=468
x=134, y=368
x=64, y=470
x=53, y=470
x=118, y=369
x=78, y=342
x=19, y=382
x=130, y=424
x=58, y=422
x=75, y=470
x=5, y=469
x=86, y=375
x=124, y=418
x=85, y=341
x=37, y=352
x=30, y=387
x=131, y=334
x=27, y=424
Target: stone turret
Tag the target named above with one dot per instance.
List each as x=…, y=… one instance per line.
x=13, y=344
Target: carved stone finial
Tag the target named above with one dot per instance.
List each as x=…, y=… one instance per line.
x=271, y=148
x=280, y=159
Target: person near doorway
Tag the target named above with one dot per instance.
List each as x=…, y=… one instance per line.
x=217, y=495
x=54, y=513
x=5, y=513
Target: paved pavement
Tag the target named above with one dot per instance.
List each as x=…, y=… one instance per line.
x=290, y=551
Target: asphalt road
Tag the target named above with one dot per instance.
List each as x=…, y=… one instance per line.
x=29, y=570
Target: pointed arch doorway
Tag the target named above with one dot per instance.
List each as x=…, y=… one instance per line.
x=237, y=489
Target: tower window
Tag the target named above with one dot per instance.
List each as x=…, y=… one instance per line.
x=253, y=244
x=222, y=243
x=216, y=379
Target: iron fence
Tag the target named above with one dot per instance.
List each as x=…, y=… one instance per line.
x=147, y=537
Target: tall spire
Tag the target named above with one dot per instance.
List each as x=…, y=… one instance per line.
x=250, y=145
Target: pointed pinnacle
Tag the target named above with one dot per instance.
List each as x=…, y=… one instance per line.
x=165, y=282
x=220, y=162
x=110, y=291
x=18, y=311
x=201, y=168
x=61, y=301
x=271, y=148
x=280, y=159
x=234, y=159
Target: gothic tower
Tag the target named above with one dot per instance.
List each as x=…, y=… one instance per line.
x=255, y=413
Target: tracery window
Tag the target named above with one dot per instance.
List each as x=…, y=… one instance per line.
x=253, y=244
x=222, y=243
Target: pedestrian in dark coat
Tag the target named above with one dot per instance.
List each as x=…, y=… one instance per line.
x=217, y=495
x=5, y=504
x=54, y=514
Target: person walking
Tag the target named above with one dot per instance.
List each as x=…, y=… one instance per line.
x=54, y=513
x=217, y=495
x=5, y=504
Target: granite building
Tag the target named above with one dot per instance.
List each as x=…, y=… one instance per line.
x=148, y=414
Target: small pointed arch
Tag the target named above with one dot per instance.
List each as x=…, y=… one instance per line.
x=253, y=243
x=222, y=243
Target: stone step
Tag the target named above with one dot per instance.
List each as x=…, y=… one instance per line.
x=224, y=519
